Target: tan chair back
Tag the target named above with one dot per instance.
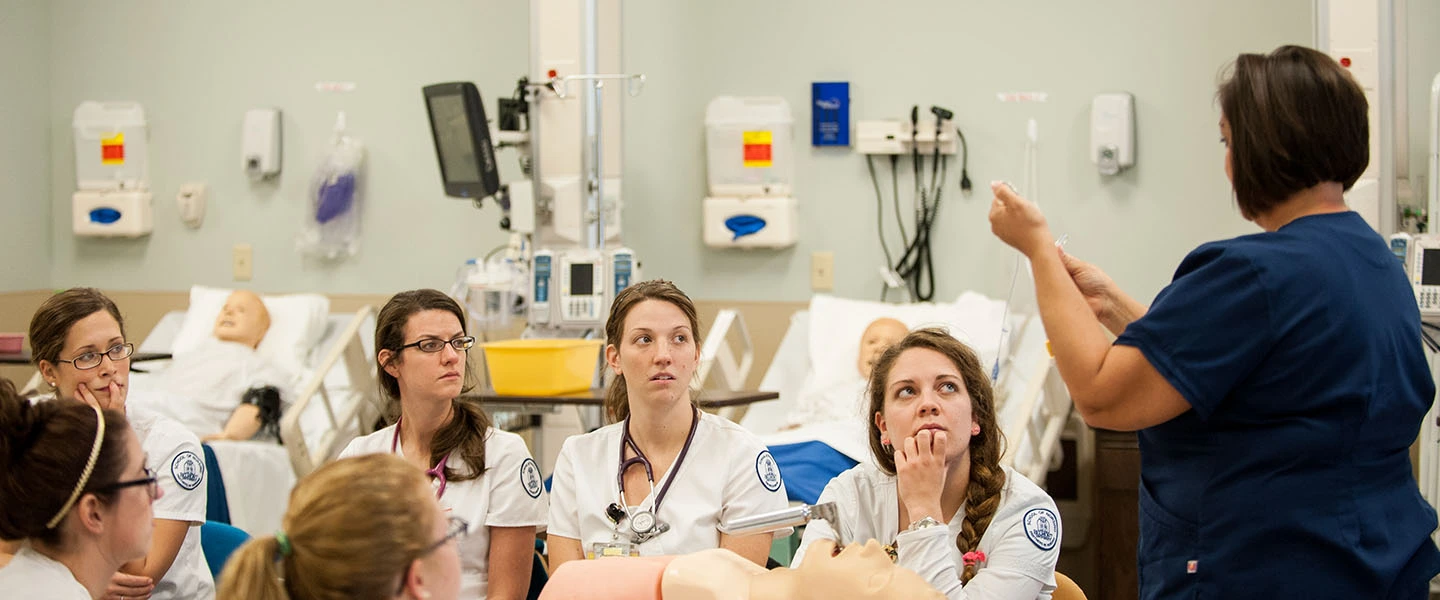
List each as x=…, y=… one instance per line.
x=1065, y=588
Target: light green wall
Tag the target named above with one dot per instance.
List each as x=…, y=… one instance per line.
x=24, y=144
x=198, y=66
x=1423, y=60
x=956, y=54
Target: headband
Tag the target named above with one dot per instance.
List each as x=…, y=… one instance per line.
x=84, y=475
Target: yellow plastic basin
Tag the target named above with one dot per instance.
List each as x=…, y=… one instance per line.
x=541, y=367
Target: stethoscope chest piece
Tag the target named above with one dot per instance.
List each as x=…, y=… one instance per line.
x=642, y=522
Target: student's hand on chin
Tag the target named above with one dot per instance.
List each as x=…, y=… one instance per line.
x=920, y=469
x=116, y=396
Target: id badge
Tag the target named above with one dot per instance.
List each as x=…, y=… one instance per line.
x=615, y=548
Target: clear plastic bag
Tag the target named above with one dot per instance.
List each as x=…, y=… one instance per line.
x=332, y=220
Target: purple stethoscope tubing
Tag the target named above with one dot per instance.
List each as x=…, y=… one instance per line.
x=437, y=471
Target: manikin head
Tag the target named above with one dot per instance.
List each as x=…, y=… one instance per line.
x=243, y=319
x=879, y=335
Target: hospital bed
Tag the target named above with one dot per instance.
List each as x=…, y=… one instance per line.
x=337, y=401
x=1033, y=406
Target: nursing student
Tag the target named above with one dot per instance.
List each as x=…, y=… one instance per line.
x=362, y=528
x=78, y=339
x=936, y=495
x=75, y=489
x=479, y=473
x=663, y=476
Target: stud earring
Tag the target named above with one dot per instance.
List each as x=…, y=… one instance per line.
x=975, y=430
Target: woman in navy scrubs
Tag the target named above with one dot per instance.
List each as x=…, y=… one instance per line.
x=1278, y=381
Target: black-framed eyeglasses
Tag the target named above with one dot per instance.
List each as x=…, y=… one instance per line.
x=148, y=480
x=432, y=345
x=456, y=529
x=90, y=360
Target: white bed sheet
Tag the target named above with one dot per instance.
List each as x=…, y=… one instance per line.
x=792, y=375
x=259, y=475
x=314, y=422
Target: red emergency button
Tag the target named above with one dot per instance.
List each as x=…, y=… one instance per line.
x=1345, y=61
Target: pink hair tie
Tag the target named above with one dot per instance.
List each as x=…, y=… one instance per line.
x=971, y=558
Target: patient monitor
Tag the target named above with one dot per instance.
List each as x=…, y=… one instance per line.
x=462, y=140
x=573, y=288
x=1423, y=268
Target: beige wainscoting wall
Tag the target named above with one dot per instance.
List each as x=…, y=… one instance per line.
x=766, y=321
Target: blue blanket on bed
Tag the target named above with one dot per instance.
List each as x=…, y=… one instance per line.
x=808, y=467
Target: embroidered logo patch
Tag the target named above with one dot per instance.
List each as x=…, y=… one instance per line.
x=767, y=470
x=188, y=470
x=1043, y=528
x=530, y=478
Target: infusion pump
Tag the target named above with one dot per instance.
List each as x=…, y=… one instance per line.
x=1421, y=254
x=574, y=288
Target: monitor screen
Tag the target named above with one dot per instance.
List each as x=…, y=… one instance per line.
x=582, y=279
x=452, y=135
x=1430, y=272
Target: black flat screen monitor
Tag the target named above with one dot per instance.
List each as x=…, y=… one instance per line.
x=462, y=140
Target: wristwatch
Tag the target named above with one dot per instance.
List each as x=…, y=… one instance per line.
x=923, y=523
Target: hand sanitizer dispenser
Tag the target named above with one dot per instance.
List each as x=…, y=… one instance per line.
x=260, y=143
x=1112, y=132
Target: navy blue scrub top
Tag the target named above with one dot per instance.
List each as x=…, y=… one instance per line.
x=1299, y=352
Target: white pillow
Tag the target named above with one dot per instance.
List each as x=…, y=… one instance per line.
x=836, y=325
x=297, y=323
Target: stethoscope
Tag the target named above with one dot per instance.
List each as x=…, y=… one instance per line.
x=643, y=523
x=437, y=472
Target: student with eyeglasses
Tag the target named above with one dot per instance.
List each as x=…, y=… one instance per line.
x=78, y=343
x=477, y=472
x=364, y=528
x=74, y=488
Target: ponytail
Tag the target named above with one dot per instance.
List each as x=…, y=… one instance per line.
x=351, y=530
x=253, y=573
x=617, y=400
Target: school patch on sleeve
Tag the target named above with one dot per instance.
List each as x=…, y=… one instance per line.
x=1043, y=528
x=530, y=478
x=767, y=470
x=188, y=470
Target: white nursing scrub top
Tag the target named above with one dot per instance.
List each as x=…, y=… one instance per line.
x=510, y=493
x=33, y=575
x=727, y=474
x=1021, y=545
x=174, y=456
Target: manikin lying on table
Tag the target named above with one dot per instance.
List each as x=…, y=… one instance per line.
x=225, y=389
x=858, y=573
